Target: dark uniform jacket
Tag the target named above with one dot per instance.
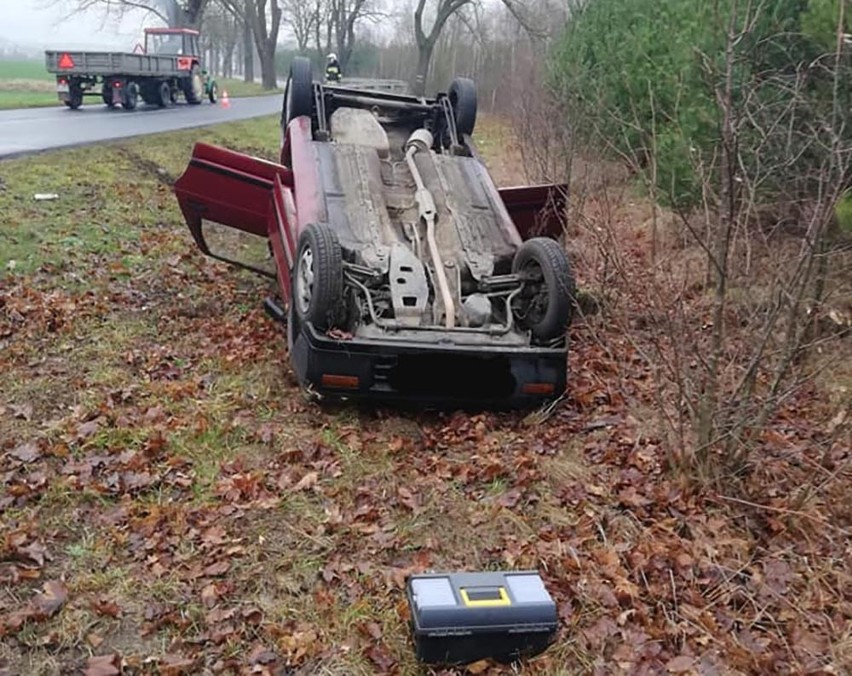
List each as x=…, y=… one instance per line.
x=332, y=71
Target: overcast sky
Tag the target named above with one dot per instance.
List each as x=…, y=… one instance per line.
x=43, y=23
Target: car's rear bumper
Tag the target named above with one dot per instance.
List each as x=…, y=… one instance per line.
x=428, y=374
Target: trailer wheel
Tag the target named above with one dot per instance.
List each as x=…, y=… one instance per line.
x=545, y=304
x=193, y=86
x=318, y=277
x=130, y=96
x=463, y=100
x=75, y=97
x=106, y=96
x=75, y=101
x=299, y=92
x=165, y=95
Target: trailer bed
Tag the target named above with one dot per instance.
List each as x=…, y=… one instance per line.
x=113, y=63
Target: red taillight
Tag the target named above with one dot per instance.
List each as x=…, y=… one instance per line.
x=538, y=388
x=65, y=61
x=63, y=81
x=338, y=381
x=117, y=84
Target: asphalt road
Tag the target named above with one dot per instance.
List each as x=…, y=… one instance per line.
x=32, y=130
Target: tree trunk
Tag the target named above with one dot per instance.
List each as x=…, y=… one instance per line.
x=248, y=53
x=423, y=59
x=267, y=66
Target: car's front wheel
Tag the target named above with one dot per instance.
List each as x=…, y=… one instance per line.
x=545, y=305
x=318, y=277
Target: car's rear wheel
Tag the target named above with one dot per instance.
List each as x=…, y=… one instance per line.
x=299, y=91
x=545, y=305
x=318, y=277
x=462, y=96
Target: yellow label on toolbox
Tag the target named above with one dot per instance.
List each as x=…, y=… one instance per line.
x=483, y=597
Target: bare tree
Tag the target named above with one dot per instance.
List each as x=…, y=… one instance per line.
x=175, y=13
x=444, y=10
x=303, y=18
x=345, y=16
x=263, y=18
x=221, y=31
x=426, y=41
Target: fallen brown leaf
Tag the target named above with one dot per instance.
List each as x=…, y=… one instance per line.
x=218, y=568
x=102, y=665
x=52, y=598
x=87, y=429
x=308, y=481
x=680, y=665
x=26, y=452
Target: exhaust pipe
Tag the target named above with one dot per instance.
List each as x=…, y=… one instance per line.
x=421, y=141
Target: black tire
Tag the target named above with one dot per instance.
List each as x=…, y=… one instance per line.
x=75, y=97
x=299, y=92
x=164, y=98
x=193, y=86
x=463, y=100
x=545, y=305
x=213, y=92
x=318, y=277
x=106, y=96
x=130, y=97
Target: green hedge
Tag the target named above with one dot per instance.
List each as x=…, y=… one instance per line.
x=639, y=77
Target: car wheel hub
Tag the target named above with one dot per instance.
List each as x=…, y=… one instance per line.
x=305, y=281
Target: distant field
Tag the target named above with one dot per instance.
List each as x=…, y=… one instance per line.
x=25, y=84
x=23, y=70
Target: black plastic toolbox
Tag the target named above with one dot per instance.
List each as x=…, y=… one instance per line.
x=458, y=618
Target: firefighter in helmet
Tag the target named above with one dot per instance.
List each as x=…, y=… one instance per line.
x=332, y=69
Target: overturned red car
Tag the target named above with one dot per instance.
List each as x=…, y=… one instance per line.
x=405, y=274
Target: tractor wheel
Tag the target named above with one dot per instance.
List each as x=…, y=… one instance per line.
x=318, y=277
x=299, y=92
x=193, y=86
x=213, y=92
x=545, y=305
x=463, y=100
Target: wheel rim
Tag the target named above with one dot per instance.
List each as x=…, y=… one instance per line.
x=305, y=281
x=535, y=294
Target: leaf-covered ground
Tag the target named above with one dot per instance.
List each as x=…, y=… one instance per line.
x=171, y=503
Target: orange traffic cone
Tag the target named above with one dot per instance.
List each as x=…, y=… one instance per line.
x=225, y=102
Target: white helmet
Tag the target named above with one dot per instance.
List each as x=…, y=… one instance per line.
x=332, y=57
